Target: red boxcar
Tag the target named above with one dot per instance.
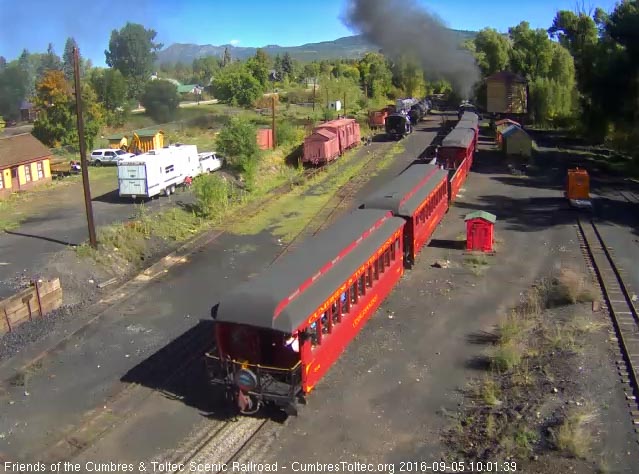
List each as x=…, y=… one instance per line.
x=456, y=147
x=419, y=195
x=377, y=119
x=345, y=130
x=278, y=333
x=321, y=146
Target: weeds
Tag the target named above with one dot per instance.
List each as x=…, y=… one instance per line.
x=489, y=392
x=507, y=356
x=573, y=436
x=477, y=264
x=569, y=287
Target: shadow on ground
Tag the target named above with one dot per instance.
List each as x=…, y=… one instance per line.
x=178, y=371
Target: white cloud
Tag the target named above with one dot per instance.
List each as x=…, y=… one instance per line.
x=234, y=42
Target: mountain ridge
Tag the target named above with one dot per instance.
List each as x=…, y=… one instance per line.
x=347, y=47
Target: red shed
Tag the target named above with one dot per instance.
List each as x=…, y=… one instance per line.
x=265, y=138
x=321, y=146
x=480, y=231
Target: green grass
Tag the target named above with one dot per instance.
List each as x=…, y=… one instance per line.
x=299, y=206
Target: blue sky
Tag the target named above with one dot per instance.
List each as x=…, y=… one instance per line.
x=35, y=23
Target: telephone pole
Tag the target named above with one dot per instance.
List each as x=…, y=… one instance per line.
x=274, y=136
x=83, y=152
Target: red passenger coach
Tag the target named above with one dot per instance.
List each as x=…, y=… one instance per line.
x=458, y=146
x=278, y=333
x=419, y=195
x=470, y=121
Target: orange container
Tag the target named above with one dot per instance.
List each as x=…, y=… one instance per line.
x=578, y=186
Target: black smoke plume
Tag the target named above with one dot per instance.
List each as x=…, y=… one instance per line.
x=401, y=27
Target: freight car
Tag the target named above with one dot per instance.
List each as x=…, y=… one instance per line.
x=330, y=140
x=279, y=333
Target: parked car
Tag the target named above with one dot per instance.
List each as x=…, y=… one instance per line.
x=210, y=161
x=108, y=156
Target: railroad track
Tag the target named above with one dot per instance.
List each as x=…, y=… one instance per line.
x=334, y=206
x=222, y=445
x=620, y=306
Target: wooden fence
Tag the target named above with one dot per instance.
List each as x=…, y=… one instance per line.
x=34, y=302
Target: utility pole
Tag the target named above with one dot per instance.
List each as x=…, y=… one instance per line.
x=344, y=104
x=83, y=152
x=274, y=136
x=314, y=85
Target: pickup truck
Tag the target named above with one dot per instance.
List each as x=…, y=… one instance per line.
x=108, y=156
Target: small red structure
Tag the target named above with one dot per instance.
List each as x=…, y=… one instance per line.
x=265, y=138
x=480, y=231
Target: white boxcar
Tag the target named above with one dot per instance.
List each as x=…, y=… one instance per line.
x=151, y=174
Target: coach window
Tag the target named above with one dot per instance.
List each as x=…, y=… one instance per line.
x=387, y=257
x=362, y=286
x=392, y=251
x=346, y=302
x=336, y=312
x=326, y=322
x=380, y=263
x=369, y=277
x=354, y=293
x=375, y=270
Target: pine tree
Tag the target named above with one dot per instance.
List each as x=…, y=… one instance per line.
x=67, y=58
x=227, y=57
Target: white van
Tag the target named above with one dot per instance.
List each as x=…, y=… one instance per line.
x=210, y=161
x=151, y=174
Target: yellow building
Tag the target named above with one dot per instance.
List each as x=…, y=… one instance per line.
x=506, y=93
x=146, y=140
x=516, y=141
x=118, y=141
x=24, y=163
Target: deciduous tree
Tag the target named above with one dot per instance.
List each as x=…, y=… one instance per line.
x=491, y=50
x=161, y=100
x=236, y=85
x=132, y=51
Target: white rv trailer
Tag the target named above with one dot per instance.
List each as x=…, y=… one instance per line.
x=189, y=158
x=151, y=174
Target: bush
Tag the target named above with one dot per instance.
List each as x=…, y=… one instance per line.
x=161, y=100
x=286, y=133
x=238, y=141
x=211, y=194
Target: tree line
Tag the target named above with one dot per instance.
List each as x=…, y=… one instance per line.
x=587, y=77
x=581, y=71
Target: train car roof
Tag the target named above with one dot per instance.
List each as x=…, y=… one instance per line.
x=467, y=124
x=459, y=138
x=284, y=295
x=403, y=194
x=470, y=117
